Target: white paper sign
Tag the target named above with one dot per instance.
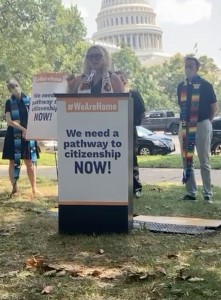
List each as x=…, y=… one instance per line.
x=42, y=118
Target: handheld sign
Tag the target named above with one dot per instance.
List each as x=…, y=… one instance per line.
x=95, y=163
x=42, y=117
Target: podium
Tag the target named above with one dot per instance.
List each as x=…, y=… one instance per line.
x=95, y=163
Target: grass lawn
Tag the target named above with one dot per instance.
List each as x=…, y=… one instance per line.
x=37, y=263
x=173, y=161
x=155, y=161
x=46, y=159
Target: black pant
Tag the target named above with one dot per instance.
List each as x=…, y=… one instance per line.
x=137, y=186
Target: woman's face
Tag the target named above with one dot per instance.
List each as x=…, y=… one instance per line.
x=95, y=59
x=15, y=90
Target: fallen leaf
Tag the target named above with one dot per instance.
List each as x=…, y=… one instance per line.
x=101, y=251
x=61, y=273
x=183, y=276
x=51, y=267
x=9, y=274
x=4, y=232
x=161, y=270
x=96, y=273
x=177, y=292
x=148, y=207
x=50, y=273
x=34, y=262
x=75, y=273
x=110, y=274
x=157, y=189
x=171, y=256
x=137, y=276
x=13, y=273
x=196, y=279
x=47, y=290
x=145, y=276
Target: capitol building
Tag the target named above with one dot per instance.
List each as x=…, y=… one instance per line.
x=132, y=22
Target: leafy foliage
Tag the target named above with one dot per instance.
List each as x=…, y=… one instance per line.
x=36, y=35
x=158, y=83
x=41, y=35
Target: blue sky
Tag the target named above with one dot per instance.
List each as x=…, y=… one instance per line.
x=184, y=23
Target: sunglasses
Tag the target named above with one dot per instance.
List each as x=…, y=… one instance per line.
x=13, y=86
x=94, y=56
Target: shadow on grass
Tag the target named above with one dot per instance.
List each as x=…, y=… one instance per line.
x=29, y=231
x=165, y=200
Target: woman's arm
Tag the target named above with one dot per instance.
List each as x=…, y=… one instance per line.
x=213, y=111
x=15, y=124
x=73, y=83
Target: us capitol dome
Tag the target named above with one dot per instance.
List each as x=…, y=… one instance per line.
x=132, y=22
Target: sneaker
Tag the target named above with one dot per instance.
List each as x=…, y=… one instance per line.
x=207, y=199
x=138, y=194
x=188, y=197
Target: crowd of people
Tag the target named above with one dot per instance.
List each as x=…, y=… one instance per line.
x=196, y=98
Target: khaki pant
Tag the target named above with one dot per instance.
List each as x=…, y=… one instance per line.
x=203, y=146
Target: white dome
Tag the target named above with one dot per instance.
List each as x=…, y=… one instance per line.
x=131, y=22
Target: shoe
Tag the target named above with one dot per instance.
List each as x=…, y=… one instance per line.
x=188, y=197
x=138, y=194
x=14, y=189
x=36, y=193
x=207, y=199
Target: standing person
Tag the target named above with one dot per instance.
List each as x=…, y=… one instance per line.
x=96, y=77
x=16, y=147
x=198, y=106
x=139, y=113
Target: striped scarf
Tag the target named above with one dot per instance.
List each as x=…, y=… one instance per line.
x=189, y=127
x=18, y=137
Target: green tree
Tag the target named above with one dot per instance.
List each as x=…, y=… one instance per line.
x=126, y=60
x=138, y=75
x=171, y=73
x=38, y=35
x=168, y=76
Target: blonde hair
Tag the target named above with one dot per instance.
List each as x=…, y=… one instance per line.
x=12, y=83
x=106, y=56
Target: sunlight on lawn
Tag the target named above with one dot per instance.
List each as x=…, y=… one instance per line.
x=35, y=259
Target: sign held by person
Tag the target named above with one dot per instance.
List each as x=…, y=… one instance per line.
x=42, y=119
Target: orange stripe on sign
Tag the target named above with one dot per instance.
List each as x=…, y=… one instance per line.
x=72, y=202
x=92, y=105
x=49, y=77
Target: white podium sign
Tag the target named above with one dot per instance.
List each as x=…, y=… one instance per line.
x=95, y=150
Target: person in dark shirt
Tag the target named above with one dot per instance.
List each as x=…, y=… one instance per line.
x=16, y=147
x=198, y=106
x=139, y=113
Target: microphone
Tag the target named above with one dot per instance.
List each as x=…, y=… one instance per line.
x=91, y=76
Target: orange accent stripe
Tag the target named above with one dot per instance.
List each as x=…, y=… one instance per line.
x=72, y=202
x=49, y=77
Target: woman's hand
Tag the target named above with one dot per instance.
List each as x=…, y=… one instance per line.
x=24, y=131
